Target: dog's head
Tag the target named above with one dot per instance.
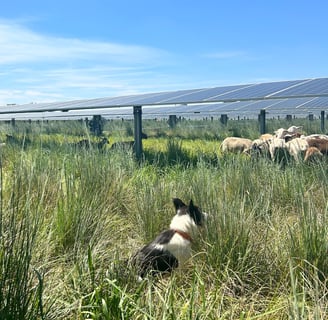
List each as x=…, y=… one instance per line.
x=187, y=216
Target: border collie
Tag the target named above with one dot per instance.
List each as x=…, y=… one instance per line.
x=172, y=247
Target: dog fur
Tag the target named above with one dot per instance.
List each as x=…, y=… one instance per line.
x=172, y=247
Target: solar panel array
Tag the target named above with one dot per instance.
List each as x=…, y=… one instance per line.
x=285, y=97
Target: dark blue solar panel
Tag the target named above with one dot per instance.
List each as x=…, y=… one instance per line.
x=290, y=103
x=258, y=105
x=256, y=91
x=237, y=105
x=216, y=107
x=149, y=99
x=202, y=95
x=232, y=106
x=309, y=87
x=159, y=110
x=318, y=102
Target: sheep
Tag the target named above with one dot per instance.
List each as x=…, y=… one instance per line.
x=289, y=134
x=235, y=144
x=278, y=150
x=280, y=133
x=312, y=154
x=127, y=145
x=266, y=136
x=316, y=136
x=294, y=129
x=320, y=143
x=124, y=145
x=297, y=148
x=258, y=147
x=87, y=144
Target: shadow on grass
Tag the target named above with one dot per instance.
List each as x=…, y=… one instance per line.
x=176, y=155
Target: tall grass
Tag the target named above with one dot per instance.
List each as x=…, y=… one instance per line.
x=21, y=282
x=71, y=219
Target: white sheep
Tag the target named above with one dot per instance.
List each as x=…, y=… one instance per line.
x=235, y=144
x=297, y=148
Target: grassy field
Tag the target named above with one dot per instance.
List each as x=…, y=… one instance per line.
x=70, y=219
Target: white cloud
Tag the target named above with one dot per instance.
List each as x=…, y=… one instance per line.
x=21, y=45
x=40, y=68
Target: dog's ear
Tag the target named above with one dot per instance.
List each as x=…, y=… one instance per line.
x=191, y=204
x=178, y=203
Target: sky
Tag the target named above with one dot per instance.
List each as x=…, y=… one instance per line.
x=65, y=50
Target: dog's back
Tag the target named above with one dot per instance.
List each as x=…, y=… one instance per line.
x=154, y=258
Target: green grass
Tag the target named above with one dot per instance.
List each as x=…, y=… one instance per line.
x=71, y=218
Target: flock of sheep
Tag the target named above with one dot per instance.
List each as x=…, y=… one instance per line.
x=284, y=143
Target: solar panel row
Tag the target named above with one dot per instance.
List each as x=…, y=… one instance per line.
x=251, y=108
x=249, y=97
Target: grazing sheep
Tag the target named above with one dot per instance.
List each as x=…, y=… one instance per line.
x=235, y=144
x=123, y=145
x=289, y=134
x=280, y=133
x=126, y=145
x=312, y=154
x=278, y=150
x=290, y=137
x=259, y=147
x=297, y=148
x=87, y=144
x=266, y=136
x=294, y=129
x=316, y=136
x=321, y=144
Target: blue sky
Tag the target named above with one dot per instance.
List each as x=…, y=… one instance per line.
x=64, y=50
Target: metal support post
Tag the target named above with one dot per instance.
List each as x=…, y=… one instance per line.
x=137, y=112
x=262, y=121
x=322, y=121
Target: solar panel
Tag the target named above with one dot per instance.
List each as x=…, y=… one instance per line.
x=318, y=102
x=203, y=95
x=244, y=98
x=310, y=87
x=257, y=105
x=256, y=91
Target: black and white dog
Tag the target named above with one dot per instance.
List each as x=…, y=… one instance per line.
x=172, y=247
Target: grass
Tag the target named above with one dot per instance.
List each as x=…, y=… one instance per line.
x=70, y=219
